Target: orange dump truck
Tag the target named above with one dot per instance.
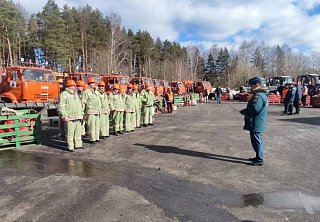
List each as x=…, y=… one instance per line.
x=201, y=85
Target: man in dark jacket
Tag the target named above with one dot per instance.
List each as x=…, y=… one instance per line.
x=289, y=100
x=255, y=119
x=218, y=92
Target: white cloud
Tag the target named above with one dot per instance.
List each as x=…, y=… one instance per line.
x=211, y=21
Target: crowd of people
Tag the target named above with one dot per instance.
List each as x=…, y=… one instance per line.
x=87, y=112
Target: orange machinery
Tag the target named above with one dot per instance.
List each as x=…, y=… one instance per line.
x=178, y=88
x=158, y=88
x=29, y=84
x=165, y=84
x=111, y=79
x=141, y=81
x=189, y=85
x=201, y=85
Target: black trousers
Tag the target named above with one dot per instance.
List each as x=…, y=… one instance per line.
x=288, y=107
x=296, y=105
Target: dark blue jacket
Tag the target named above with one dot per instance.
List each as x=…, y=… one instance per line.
x=298, y=94
x=257, y=110
x=291, y=95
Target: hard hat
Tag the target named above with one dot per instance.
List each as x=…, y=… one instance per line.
x=129, y=86
x=116, y=86
x=70, y=82
x=147, y=84
x=80, y=83
x=254, y=80
x=91, y=80
x=101, y=83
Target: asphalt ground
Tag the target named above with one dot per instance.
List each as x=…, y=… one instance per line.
x=191, y=166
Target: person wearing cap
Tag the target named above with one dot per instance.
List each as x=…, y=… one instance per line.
x=130, y=103
x=169, y=98
x=80, y=89
x=289, y=99
x=92, y=108
x=255, y=119
x=117, y=107
x=147, y=99
x=105, y=111
x=71, y=113
x=138, y=107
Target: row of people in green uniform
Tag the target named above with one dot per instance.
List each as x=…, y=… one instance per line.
x=88, y=111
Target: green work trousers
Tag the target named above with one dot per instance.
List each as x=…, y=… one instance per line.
x=117, y=119
x=104, y=124
x=130, y=121
x=147, y=115
x=93, y=126
x=73, y=134
x=137, y=117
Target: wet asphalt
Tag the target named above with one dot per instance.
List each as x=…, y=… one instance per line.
x=192, y=166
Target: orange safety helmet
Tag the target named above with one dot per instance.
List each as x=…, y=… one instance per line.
x=80, y=83
x=129, y=86
x=91, y=80
x=147, y=85
x=101, y=83
x=70, y=82
x=116, y=86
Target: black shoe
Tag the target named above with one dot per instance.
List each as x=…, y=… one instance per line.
x=138, y=127
x=121, y=132
x=78, y=148
x=296, y=113
x=151, y=124
x=290, y=114
x=127, y=132
x=257, y=163
x=145, y=125
x=82, y=148
x=98, y=141
x=252, y=159
x=132, y=131
x=71, y=151
x=116, y=134
x=92, y=142
x=103, y=137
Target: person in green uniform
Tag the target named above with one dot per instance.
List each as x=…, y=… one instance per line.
x=147, y=99
x=80, y=89
x=92, y=107
x=138, y=107
x=71, y=113
x=116, y=106
x=105, y=111
x=130, y=103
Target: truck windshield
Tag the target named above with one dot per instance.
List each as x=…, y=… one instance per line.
x=123, y=81
x=38, y=75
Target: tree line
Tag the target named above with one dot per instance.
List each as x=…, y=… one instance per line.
x=84, y=39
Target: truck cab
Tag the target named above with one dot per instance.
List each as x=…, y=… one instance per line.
x=84, y=77
x=111, y=79
x=278, y=83
x=178, y=88
x=29, y=84
x=201, y=85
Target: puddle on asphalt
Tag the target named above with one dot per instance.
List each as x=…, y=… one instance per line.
x=165, y=190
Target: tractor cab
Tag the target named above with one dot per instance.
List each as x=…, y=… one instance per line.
x=29, y=84
x=278, y=83
x=201, y=85
x=309, y=80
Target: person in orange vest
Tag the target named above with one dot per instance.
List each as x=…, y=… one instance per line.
x=169, y=100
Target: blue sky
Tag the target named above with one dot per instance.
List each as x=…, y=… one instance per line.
x=208, y=22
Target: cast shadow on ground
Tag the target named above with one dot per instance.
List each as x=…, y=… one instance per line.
x=50, y=138
x=176, y=150
x=315, y=121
